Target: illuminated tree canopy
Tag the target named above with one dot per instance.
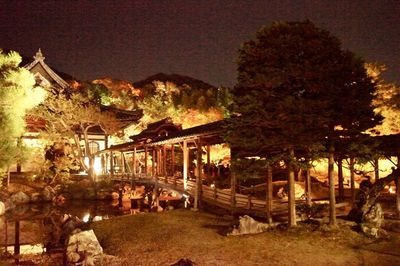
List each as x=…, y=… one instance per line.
x=18, y=94
x=69, y=115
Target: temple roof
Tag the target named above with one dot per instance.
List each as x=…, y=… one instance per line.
x=156, y=130
x=43, y=73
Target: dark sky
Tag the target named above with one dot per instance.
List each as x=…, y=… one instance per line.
x=131, y=40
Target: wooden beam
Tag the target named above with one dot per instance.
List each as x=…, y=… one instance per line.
x=268, y=203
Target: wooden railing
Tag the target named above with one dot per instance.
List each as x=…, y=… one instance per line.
x=215, y=196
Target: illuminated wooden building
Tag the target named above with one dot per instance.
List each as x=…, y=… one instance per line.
x=52, y=80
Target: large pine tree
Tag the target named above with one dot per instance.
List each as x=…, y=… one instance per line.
x=296, y=86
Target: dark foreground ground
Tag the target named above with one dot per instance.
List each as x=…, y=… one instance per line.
x=165, y=238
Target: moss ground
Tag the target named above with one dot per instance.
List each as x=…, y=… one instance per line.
x=162, y=239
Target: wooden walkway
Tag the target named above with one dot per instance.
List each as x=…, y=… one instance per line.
x=222, y=198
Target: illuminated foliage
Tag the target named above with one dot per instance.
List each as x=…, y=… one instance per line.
x=386, y=101
x=186, y=106
x=68, y=115
x=18, y=94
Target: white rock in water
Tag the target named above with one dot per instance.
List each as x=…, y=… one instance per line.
x=2, y=208
x=84, y=243
x=248, y=225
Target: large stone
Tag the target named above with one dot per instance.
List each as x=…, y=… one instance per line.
x=84, y=247
x=372, y=222
x=36, y=197
x=248, y=225
x=19, y=198
x=48, y=193
x=2, y=208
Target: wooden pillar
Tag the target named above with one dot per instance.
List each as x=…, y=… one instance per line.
x=106, y=141
x=159, y=162
x=172, y=159
x=291, y=200
x=197, y=193
x=185, y=164
x=6, y=236
x=123, y=170
x=398, y=188
x=268, y=201
x=332, y=201
x=164, y=160
x=340, y=179
x=376, y=169
x=153, y=163
x=112, y=164
x=146, y=154
x=308, y=184
x=134, y=162
x=16, y=245
x=352, y=182
x=208, y=160
x=233, y=193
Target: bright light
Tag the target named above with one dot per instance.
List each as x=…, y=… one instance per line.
x=85, y=218
x=97, y=165
x=392, y=190
x=212, y=185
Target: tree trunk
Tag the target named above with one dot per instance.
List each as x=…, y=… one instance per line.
x=308, y=184
x=352, y=182
x=397, y=181
x=291, y=200
x=268, y=203
x=332, y=201
x=340, y=179
x=233, y=193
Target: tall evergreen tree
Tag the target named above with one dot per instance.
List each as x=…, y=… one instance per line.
x=18, y=94
x=295, y=88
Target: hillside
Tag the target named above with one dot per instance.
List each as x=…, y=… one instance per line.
x=179, y=80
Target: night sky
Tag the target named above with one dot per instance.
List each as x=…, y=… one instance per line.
x=132, y=40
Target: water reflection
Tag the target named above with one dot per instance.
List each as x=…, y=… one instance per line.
x=37, y=228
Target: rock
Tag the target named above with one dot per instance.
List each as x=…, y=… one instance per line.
x=372, y=222
x=248, y=225
x=19, y=198
x=2, y=208
x=114, y=195
x=36, y=197
x=48, y=193
x=85, y=183
x=84, y=247
x=60, y=199
x=9, y=205
x=184, y=262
